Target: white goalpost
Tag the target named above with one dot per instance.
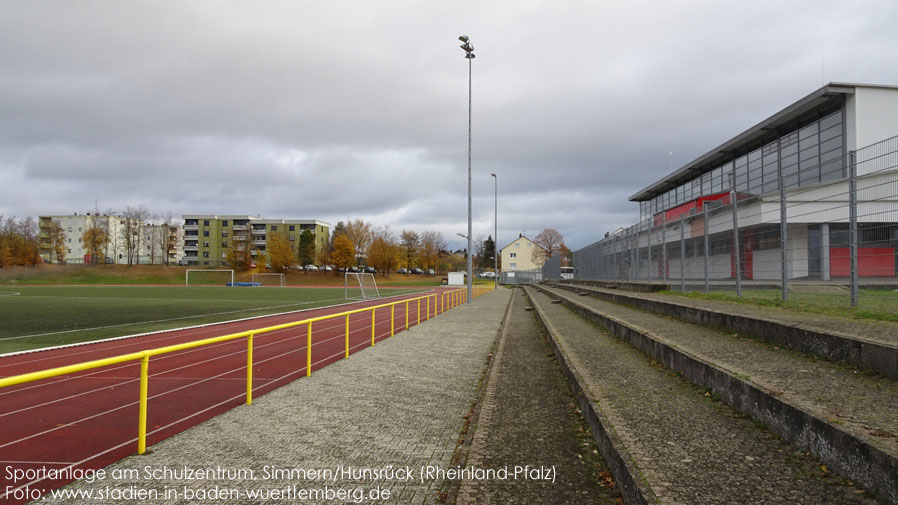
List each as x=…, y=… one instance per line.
x=269, y=280
x=206, y=277
x=359, y=286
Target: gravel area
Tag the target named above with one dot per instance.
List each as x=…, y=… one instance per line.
x=861, y=404
x=528, y=417
x=689, y=447
x=399, y=404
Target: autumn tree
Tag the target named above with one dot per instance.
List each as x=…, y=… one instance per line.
x=56, y=236
x=359, y=233
x=323, y=255
x=384, y=251
x=344, y=252
x=410, y=242
x=94, y=241
x=280, y=251
x=432, y=242
x=548, y=243
x=306, y=247
x=239, y=256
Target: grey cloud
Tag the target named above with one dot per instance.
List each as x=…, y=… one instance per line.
x=359, y=109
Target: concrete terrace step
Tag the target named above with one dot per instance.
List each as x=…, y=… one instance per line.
x=527, y=416
x=848, y=419
x=669, y=442
x=866, y=344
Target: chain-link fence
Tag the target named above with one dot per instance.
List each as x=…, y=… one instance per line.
x=521, y=276
x=832, y=239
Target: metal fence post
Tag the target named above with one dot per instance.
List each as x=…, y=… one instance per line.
x=784, y=236
x=638, y=226
x=648, y=276
x=664, y=247
x=852, y=223
x=707, y=250
x=682, y=254
x=738, y=260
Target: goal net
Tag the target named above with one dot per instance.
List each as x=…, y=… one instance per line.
x=273, y=280
x=360, y=286
x=209, y=277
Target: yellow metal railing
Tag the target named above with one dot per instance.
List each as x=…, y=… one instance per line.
x=441, y=303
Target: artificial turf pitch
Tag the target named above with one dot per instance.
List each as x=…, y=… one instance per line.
x=33, y=317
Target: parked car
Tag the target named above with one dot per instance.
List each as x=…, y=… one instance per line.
x=402, y=271
x=353, y=269
x=370, y=270
x=328, y=268
x=311, y=268
x=416, y=271
x=430, y=271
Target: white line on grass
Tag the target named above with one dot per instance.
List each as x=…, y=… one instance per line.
x=64, y=346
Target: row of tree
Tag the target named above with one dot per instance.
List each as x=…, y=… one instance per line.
x=19, y=242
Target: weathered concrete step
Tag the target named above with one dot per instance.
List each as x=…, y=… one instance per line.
x=872, y=345
x=670, y=442
x=527, y=417
x=849, y=419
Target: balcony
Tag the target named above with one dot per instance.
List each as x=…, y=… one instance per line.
x=259, y=231
x=259, y=242
x=239, y=227
x=191, y=248
x=191, y=227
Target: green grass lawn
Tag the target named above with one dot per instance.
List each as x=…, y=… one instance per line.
x=40, y=316
x=881, y=305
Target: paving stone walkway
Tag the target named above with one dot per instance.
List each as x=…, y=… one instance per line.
x=529, y=419
x=346, y=434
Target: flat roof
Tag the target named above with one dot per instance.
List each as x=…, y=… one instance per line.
x=831, y=93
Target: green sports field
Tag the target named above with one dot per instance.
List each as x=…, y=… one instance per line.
x=40, y=316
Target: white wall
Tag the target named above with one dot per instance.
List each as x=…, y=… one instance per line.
x=875, y=116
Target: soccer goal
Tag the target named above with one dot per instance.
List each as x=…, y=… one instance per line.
x=208, y=277
x=269, y=280
x=359, y=286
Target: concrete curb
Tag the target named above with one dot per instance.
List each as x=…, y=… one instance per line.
x=870, y=467
x=630, y=482
x=882, y=359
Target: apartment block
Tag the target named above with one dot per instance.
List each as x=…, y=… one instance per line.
x=207, y=238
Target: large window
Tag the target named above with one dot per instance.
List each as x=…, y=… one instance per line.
x=812, y=154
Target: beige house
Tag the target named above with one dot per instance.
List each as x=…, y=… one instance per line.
x=518, y=255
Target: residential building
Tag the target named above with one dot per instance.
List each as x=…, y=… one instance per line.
x=794, y=164
x=148, y=248
x=73, y=228
x=518, y=255
x=207, y=238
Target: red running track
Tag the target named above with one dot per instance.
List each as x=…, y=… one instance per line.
x=89, y=419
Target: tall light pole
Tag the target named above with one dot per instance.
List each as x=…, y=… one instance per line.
x=468, y=48
x=496, y=230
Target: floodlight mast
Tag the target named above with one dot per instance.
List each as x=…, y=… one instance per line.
x=468, y=48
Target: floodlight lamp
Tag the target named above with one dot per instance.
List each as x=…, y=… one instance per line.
x=463, y=38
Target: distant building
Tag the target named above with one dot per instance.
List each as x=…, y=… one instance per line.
x=518, y=255
x=208, y=237
x=152, y=242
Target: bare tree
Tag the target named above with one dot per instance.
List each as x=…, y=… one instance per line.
x=359, y=233
x=169, y=238
x=549, y=242
x=133, y=220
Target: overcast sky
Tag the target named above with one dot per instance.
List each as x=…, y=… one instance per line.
x=337, y=110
